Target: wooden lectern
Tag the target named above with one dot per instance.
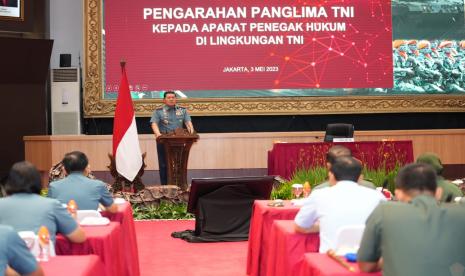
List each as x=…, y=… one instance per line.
x=177, y=146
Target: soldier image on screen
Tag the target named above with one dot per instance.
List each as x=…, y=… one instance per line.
x=429, y=66
x=404, y=68
x=430, y=76
x=450, y=71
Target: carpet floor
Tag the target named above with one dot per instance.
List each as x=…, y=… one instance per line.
x=160, y=254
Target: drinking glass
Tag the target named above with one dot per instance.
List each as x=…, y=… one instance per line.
x=44, y=253
x=44, y=244
x=297, y=190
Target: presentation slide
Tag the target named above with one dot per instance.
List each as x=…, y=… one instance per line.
x=231, y=47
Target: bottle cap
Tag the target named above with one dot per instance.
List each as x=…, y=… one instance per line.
x=44, y=236
x=72, y=206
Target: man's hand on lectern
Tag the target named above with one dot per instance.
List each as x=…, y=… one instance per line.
x=190, y=127
x=156, y=130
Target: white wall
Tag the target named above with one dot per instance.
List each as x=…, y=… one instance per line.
x=66, y=28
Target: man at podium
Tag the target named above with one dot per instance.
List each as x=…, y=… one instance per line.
x=165, y=120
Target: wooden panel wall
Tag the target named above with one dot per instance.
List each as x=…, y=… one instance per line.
x=233, y=150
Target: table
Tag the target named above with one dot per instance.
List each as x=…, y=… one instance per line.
x=104, y=241
x=260, y=228
x=315, y=264
x=287, y=248
x=88, y=265
x=284, y=158
x=125, y=218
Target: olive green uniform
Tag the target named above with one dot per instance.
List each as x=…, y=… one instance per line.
x=417, y=238
x=448, y=189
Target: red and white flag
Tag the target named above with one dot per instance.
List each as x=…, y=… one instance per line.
x=126, y=148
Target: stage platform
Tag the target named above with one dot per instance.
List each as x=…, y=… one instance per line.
x=224, y=154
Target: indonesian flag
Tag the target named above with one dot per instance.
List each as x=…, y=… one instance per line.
x=126, y=149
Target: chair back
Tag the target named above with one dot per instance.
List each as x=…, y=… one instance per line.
x=81, y=214
x=338, y=131
x=32, y=243
x=348, y=239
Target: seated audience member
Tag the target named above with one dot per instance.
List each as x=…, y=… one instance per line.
x=87, y=193
x=15, y=257
x=415, y=236
x=28, y=211
x=344, y=203
x=335, y=152
x=446, y=189
x=57, y=172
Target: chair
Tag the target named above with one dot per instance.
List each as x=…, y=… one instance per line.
x=81, y=214
x=338, y=131
x=348, y=239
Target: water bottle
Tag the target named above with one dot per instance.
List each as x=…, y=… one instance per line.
x=44, y=244
x=72, y=208
x=307, y=189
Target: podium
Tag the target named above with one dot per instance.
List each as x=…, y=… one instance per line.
x=223, y=207
x=177, y=146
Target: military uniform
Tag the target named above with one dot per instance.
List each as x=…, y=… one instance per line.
x=13, y=252
x=87, y=193
x=28, y=212
x=448, y=189
x=417, y=238
x=168, y=119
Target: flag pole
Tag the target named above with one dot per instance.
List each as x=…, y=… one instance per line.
x=126, y=147
x=122, y=63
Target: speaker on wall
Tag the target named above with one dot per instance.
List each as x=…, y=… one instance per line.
x=65, y=60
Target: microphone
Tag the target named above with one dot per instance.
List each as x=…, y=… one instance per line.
x=385, y=184
x=448, y=199
x=384, y=191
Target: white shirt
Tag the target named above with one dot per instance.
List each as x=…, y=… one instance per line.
x=345, y=203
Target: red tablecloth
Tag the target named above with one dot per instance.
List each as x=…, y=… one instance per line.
x=104, y=241
x=88, y=265
x=316, y=264
x=284, y=158
x=260, y=227
x=287, y=248
x=125, y=218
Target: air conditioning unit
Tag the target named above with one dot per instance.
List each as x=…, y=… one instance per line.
x=66, y=110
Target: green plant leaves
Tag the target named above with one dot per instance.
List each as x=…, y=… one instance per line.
x=318, y=175
x=165, y=210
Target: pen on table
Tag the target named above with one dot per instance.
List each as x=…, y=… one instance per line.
x=332, y=254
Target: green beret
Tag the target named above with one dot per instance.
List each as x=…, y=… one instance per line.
x=432, y=159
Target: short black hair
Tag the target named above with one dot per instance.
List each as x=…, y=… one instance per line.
x=346, y=168
x=417, y=176
x=23, y=178
x=337, y=151
x=167, y=93
x=75, y=161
